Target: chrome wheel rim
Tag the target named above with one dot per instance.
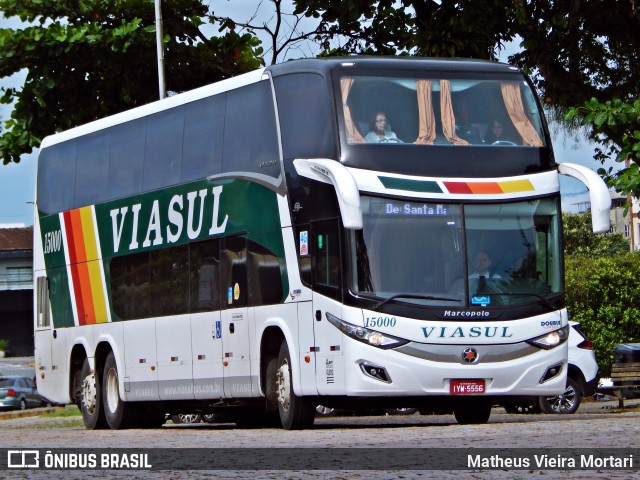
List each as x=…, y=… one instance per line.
x=89, y=393
x=112, y=394
x=283, y=386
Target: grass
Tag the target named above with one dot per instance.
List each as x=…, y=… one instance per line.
x=63, y=412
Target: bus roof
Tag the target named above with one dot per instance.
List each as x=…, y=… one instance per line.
x=154, y=107
x=324, y=65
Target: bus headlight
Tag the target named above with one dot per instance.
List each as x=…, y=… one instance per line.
x=552, y=339
x=364, y=335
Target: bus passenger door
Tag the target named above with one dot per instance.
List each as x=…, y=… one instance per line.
x=327, y=280
x=206, y=326
x=50, y=368
x=236, y=349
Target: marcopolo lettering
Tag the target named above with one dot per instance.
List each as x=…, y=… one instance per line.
x=467, y=332
x=168, y=226
x=466, y=313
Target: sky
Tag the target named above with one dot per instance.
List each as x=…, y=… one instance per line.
x=17, y=181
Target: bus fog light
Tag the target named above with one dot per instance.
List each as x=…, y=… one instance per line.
x=375, y=371
x=551, y=372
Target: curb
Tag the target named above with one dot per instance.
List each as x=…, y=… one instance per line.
x=34, y=412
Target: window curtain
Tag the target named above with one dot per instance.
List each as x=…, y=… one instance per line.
x=515, y=108
x=446, y=114
x=353, y=135
x=427, y=125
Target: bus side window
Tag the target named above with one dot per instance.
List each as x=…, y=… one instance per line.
x=326, y=265
x=168, y=289
x=265, y=277
x=42, y=292
x=205, y=276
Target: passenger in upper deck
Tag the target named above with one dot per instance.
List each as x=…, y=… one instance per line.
x=381, y=131
x=497, y=134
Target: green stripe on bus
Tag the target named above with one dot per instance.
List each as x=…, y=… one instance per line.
x=411, y=185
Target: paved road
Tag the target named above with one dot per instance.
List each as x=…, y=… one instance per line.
x=596, y=425
x=17, y=366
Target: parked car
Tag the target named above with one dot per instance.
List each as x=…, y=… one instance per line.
x=186, y=418
x=582, y=380
x=19, y=393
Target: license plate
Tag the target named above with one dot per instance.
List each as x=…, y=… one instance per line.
x=466, y=387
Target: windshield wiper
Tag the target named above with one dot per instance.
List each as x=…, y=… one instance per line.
x=412, y=296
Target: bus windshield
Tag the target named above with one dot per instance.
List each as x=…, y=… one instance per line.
x=445, y=254
x=440, y=111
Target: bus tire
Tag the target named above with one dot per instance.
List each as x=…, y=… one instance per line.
x=90, y=401
x=118, y=414
x=472, y=411
x=296, y=413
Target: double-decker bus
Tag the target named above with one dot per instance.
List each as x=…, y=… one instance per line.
x=351, y=232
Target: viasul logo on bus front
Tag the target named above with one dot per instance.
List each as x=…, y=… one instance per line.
x=476, y=331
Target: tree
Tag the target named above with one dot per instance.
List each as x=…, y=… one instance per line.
x=446, y=28
x=86, y=60
x=586, y=58
x=615, y=126
x=579, y=50
x=580, y=241
x=286, y=31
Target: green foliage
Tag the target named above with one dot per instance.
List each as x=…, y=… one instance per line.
x=615, y=126
x=4, y=344
x=603, y=294
x=579, y=239
x=417, y=27
x=579, y=50
x=602, y=282
x=86, y=60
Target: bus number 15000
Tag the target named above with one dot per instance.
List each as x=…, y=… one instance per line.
x=372, y=322
x=52, y=241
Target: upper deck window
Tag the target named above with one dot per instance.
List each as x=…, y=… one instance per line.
x=440, y=111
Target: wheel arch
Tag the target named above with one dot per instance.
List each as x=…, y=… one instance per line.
x=76, y=359
x=576, y=374
x=270, y=342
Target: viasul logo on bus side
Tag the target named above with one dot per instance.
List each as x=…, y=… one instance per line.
x=150, y=225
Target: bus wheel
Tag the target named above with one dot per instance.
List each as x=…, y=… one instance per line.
x=472, y=411
x=296, y=413
x=90, y=401
x=117, y=413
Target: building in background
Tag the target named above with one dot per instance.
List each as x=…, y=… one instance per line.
x=16, y=288
x=628, y=225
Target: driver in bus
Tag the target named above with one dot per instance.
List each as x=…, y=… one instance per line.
x=381, y=131
x=481, y=265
